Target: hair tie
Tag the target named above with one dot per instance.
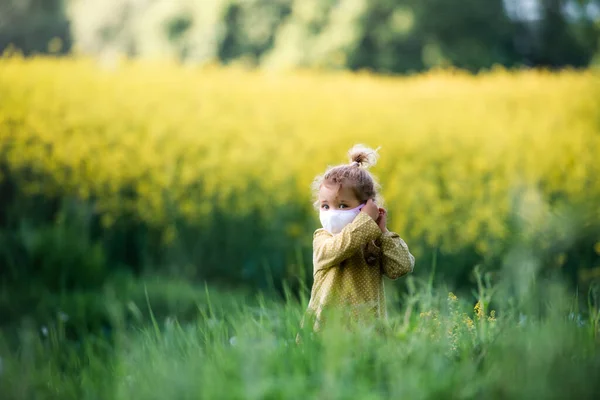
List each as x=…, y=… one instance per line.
x=356, y=163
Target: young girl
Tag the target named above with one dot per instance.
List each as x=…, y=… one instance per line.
x=354, y=249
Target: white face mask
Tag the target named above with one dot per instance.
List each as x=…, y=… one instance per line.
x=335, y=220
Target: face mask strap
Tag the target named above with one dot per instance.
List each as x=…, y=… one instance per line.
x=360, y=206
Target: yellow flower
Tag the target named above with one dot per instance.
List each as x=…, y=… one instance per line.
x=188, y=145
x=469, y=323
x=479, y=310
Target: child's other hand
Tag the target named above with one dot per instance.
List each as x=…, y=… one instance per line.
x=371, y=209
x=382, y=219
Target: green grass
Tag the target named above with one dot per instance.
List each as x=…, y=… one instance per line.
x=536, y=344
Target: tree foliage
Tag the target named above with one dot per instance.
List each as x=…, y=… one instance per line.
x=398, y=36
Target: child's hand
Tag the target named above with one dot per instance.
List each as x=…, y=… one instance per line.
x=382, y=220
x=371, y=209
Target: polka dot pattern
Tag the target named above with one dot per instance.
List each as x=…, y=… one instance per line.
x=349, y=267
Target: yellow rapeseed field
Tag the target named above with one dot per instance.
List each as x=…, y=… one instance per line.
x=148, y=139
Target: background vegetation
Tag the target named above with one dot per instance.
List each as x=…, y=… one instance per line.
x=156, y=220
x=392, y=36
x=216, y=185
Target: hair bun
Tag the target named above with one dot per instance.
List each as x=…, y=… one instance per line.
x=363, y=156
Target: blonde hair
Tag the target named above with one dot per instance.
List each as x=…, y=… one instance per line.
x=363, y=183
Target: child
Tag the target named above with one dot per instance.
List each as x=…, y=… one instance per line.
x=354, y=249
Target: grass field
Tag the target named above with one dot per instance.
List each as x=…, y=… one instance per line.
x=435, y=346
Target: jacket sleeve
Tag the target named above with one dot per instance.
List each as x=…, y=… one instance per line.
x=329, y=250
x=396, y=260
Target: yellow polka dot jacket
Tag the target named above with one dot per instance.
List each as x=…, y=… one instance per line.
x=348, y=268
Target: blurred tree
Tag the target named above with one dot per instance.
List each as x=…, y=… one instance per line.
x=397, y=35
x=189, y=30
x=391, y=39
x=382, y=35
x=566, y=34
x=470, y=34
x=250, y=28
x=318, y=33
x=111, y=25
x=34, y=26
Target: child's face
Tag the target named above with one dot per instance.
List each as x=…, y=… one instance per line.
x=337, y=197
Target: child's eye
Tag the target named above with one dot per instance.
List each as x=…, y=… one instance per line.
x=343, y=206
x=325, y=207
